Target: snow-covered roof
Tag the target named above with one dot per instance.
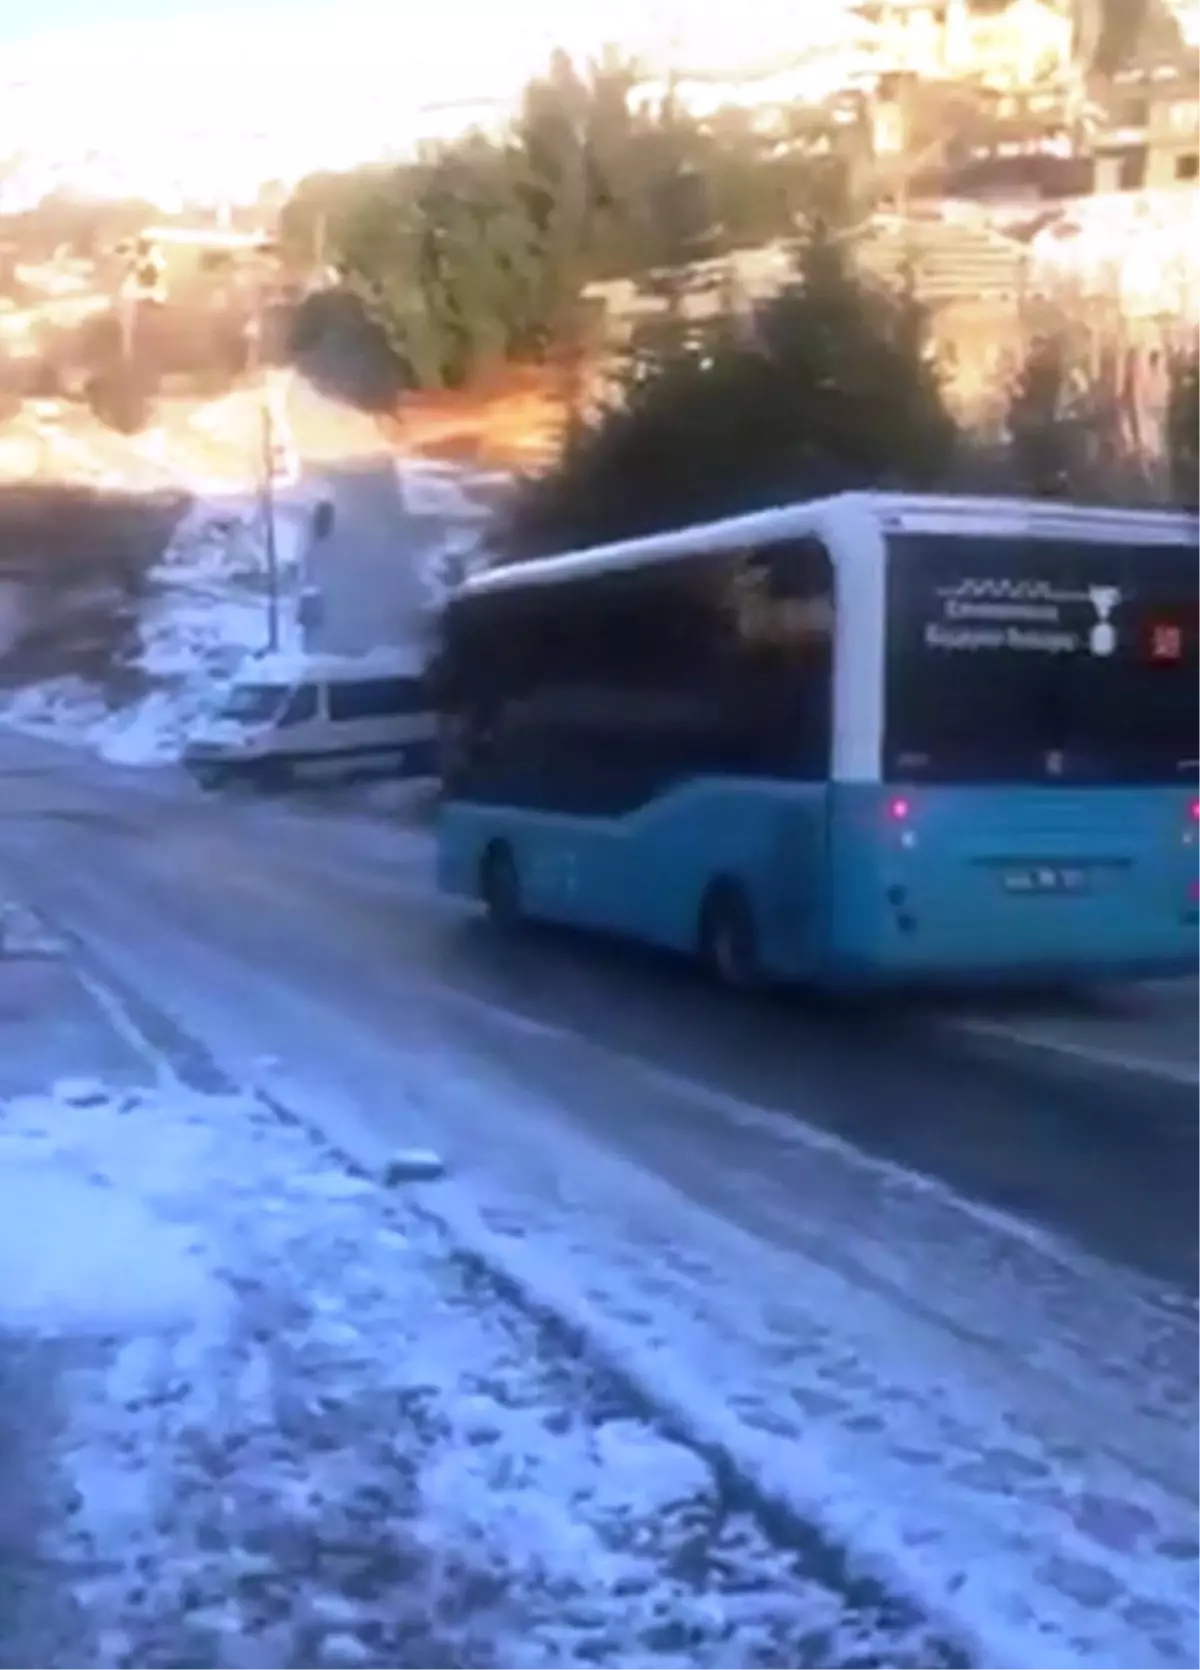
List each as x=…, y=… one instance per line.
x=898, y=512
x=445, y=492
x=295, y=667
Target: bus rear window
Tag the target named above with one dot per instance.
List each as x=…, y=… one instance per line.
x=1029, y=660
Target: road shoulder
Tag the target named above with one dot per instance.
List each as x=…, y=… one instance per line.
x=266, y=1414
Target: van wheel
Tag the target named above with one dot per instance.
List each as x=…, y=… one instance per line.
x=500, y=885
x=729, y=937
x=210, y=778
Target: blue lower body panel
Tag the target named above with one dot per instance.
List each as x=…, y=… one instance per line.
x=646, y=875
x=1013, y=884
x=861, y=885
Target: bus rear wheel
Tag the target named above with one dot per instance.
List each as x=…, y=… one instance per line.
x=729, y=937
x=500, y=885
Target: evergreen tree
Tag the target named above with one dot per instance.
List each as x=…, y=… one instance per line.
x=1183, y=428
x=482, y=250
x=831, y=386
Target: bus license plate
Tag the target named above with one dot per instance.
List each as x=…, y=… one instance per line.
x=1046, y=878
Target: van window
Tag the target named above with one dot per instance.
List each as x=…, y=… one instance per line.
x=254, y=704
x=302, y=706
x=377, y=698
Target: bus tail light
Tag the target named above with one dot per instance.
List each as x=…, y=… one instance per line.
x=1194, y=811
x=898, y=812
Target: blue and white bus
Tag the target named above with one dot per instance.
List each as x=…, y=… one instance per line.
x=867, y=739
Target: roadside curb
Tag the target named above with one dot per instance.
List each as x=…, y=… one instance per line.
x=173, y=1050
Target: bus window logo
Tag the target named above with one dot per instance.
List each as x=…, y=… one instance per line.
x=1102, y=640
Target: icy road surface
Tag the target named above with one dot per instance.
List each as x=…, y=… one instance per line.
x=302, y=1431
x=932, y=1296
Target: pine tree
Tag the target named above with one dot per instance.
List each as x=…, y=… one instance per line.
x=831, y=387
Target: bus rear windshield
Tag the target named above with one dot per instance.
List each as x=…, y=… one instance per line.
x=1032, y=660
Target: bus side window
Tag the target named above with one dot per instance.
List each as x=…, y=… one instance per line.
x=785, y=664
x=801, y=569
x=376, y=698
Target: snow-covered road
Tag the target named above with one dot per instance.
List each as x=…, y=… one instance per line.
x=929, y=1297
x=301, y=1430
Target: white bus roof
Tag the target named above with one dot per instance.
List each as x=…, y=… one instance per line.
x=292, y=668
x=898, y=512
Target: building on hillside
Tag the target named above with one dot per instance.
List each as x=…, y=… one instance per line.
x=1010, y=147
x=1149, y=138
x=1005, y=43
x=1187, y=16
x=186, y=252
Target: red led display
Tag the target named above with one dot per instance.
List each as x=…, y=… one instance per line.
x=1166, y=641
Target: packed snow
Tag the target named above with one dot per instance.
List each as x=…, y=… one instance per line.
x=1002, y=1442
x=988, y=1418
x=294, y=1427
x=206, y=613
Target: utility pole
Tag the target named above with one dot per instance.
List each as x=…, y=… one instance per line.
x=127, y=315
x=259, y=362
x=271, y=550
x=144, y=280
x=321, y=243
x=575, y=345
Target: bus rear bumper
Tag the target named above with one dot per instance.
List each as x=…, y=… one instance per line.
x=863, y=973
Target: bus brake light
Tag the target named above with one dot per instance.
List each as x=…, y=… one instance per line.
x=898, y=809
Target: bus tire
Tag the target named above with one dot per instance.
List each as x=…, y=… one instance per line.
x=500, y=885
x=729, y=937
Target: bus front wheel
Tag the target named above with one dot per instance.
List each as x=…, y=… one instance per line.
x=500, y=886
x=729, y=937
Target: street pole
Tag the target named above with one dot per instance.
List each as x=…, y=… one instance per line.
x=268, y=508
x=128, y=320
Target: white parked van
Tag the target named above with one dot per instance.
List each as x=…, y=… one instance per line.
x=295, y=718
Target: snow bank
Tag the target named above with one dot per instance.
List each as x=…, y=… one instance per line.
x=445, y=491
x=207, y=611
x=937, y=1392
x=302, y=1432
x=77, y=1256
x=462, y=503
